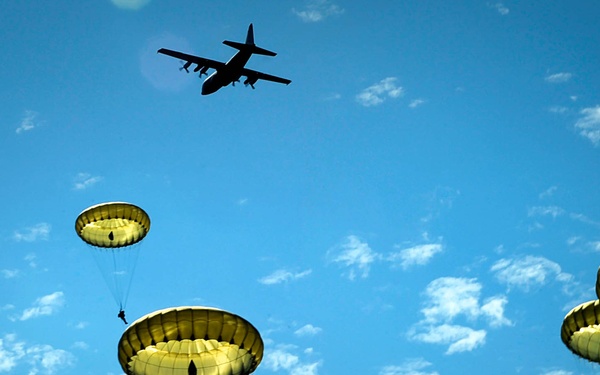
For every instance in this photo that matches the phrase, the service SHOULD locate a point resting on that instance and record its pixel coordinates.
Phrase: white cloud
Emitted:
(558, 77)
(416, 103)
(558, 109)
(557, 372)
(449, 298)
(281, 276)
(46, 305)
(130, 4)
(9, 274)
(584, 219)
(14, 353)
(318, 10)
(500, 8)
(282, 359)
(85, 180)
(553, 211)
(548, 192)
(81, 345)
(417, 255)
(10, 352)
(413, 366)
(377, 93)
(458, 338)
(355, 255)
(31, 260)
(308, 330)
(28, 122)
(526, 272)
(48, 358)
(493, 310)
(589, 124)
(332, 96)
(81, 325)
(39, 231)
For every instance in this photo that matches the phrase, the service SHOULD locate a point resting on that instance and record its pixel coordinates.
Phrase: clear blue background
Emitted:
(422, 199)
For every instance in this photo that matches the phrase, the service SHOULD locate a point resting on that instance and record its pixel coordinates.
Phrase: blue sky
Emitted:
(422, 199)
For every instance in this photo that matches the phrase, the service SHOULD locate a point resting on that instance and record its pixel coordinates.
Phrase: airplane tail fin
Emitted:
(249, 45)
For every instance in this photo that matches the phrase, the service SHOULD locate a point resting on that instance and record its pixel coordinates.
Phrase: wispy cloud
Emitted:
(379, 92)
(414, 366)
(85, 180)
(553, 211)
(15, 353)
(282, 276)
(589, 124)
(332, 96)
(417, 255)
(557, 372)
(81, 325)
(500, 8)
(558, 109)
(458, 338)
(440, 199)
(31, 260)
(9, 274)
(130, 4)
(558, 77)
(548, 192)
(318, 10)
(282, 358)
(448, 298)
(528, 271)
(82, 345)
(28, 122)
(39, 231)
(307, 330)
(355, 255)
(584, 219)
(46, 305)
(416, 103)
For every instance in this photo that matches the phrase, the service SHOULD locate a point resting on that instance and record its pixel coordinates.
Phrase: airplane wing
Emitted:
(201, 61)
(254, 76)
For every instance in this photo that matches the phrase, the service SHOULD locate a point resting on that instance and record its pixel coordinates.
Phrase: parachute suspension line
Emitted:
(134, 253)
(115, 279)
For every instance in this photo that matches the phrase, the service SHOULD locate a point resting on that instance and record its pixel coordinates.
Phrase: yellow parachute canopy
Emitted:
(113, 224)
(190, 340)
(580, 330)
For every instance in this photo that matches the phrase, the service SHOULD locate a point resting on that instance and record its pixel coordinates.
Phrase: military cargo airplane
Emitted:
(232, 70)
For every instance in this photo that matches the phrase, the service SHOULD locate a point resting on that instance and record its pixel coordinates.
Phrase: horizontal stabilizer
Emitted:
(249, 48)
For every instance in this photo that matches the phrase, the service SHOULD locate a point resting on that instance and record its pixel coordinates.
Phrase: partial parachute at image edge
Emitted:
(190, 339)
(580, 330)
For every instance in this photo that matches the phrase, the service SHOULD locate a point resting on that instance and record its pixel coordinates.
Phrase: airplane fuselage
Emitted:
(231, 72)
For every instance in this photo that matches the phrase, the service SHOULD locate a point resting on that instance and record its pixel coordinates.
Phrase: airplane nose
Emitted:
(208, 87)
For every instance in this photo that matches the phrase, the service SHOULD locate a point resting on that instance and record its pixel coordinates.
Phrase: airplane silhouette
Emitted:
(232, 70)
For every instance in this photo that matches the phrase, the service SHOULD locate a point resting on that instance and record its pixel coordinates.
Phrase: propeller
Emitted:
(185, 66)
(250, 81)
(202, 69)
